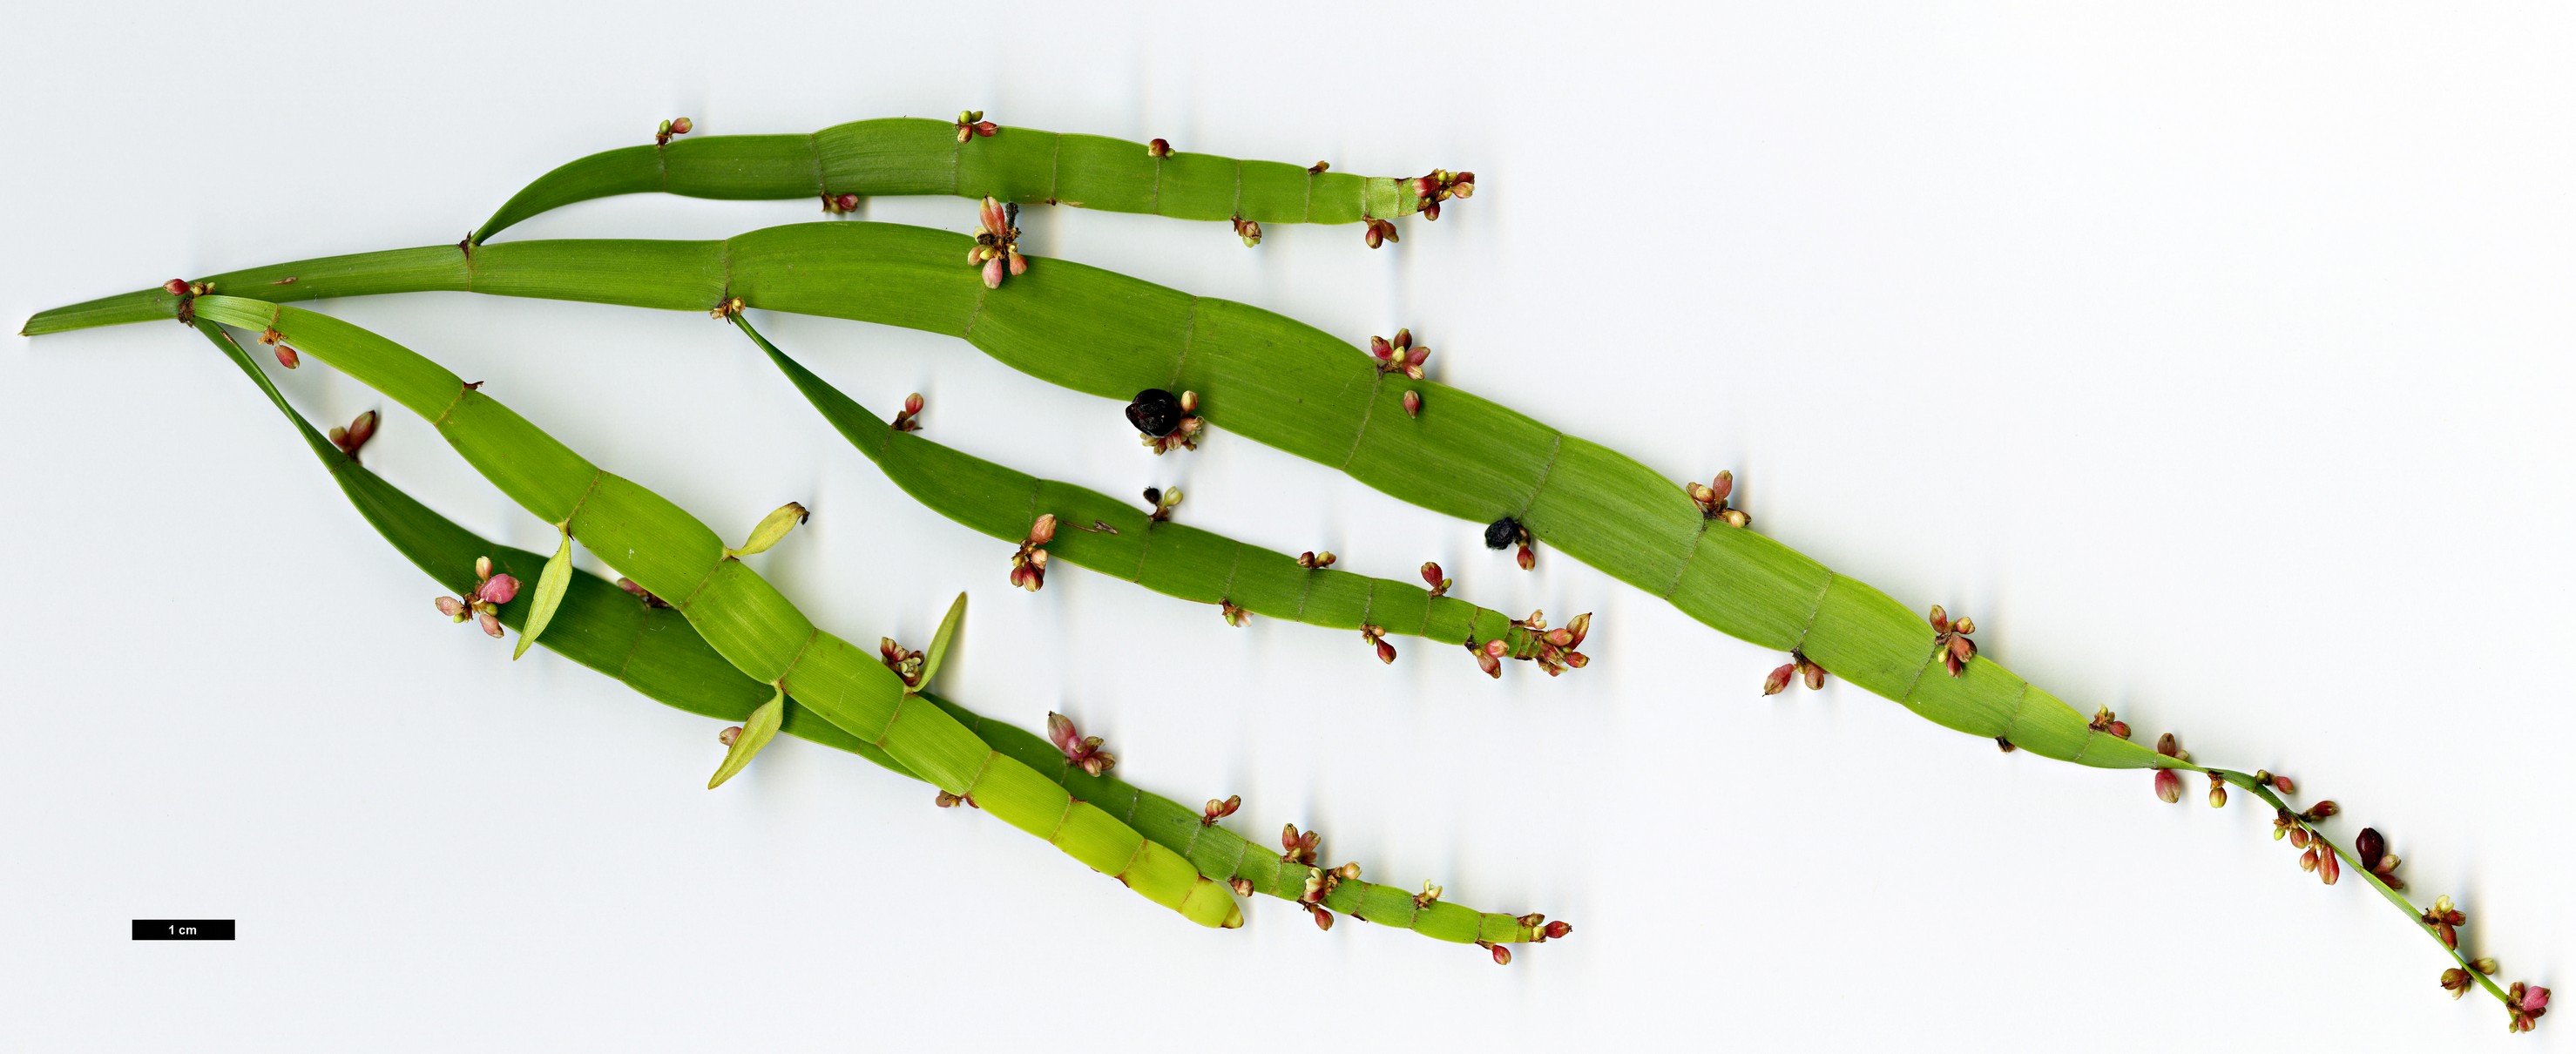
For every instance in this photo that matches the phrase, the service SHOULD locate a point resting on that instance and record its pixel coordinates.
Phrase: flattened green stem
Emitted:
(911, 155)
(1273, 380)
(655, 651)
(1167, 557)
(746, 619)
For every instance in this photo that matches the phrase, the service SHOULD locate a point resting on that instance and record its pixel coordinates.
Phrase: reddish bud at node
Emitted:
(2298, 837)
(1412, 404)
(1158, 148)
(1323, 918)
(2322, 810)
(1558, 930)
(1778, 681)
(1385, 652)
(1528, 558)
(498, 589)
(2168, 786)
(2166, 746)
(727, 736)
(2455, 981)
(680, 126)
(2329, 866)
(286, 357)
(1502, 954)
(451, 607)
(490, 622)
(176, 287)
(1242, 886)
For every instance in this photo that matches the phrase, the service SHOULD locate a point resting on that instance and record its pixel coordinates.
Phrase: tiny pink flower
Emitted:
(498, 589)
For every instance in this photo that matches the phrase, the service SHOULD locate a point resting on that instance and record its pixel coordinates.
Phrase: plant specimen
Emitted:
(1374, 414)
(632, 636)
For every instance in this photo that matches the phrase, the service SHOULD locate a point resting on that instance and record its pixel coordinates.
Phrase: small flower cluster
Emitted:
(905, 662)
(483, 604)
(1320, 883)
(1442, 185)
(2445, 920)
(361, 428)
(840, 204)
(1798, 666)
(1711, 498)
(2106, 721)
(1507, 532)
(1957, 649)
(726, 308)
(1315, 561)
(1165, 422)
(1376, 636)
(946, 800)
(910, 419)
(672, 127)
(1160, 501)
(1430, 895)
(2315, 855)
(2526, 1002)
(286, 356)
(1084, 751)
(187, 292)
(971, 123)
(1556, 652)
(2456, 981)
(1028, 565)
(1378, 232)
(1218, 810)
(1247, 230)
(1398, 355)
(1431, 576)
(1233, 616)
(1300, 846)
(997, 243)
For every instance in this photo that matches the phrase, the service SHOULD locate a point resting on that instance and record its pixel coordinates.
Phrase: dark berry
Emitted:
(1153, 495)
(1503, 533)
(1155, 412)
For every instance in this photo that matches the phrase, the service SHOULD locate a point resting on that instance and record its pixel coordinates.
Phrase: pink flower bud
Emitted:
(1559, 930)
(1043, 531)
(452, 608)
(2168, 786)
(2534, 1000)
(482, 568)
(1502, 955)
(993, 269)
(727, 737)
(680, 126)
(1385, 652)
(491, 623)
(175, 287)
(2329, 866)
(286, 357)
(498, 589)
(1778, 681)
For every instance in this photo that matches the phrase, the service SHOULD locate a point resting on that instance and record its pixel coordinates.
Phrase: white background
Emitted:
(2213, 356)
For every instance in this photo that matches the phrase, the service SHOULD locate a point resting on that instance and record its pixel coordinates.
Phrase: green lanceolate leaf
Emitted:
(652, 649)
(674, 556)
(1113, 537)
(771, 528)
(940, 640)
(755, 734)
(551, 584)
(906, 155)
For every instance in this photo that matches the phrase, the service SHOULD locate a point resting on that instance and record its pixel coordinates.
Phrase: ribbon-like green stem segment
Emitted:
(910, 155)
(655, 651)
(1164, 556)
(1267, 378)
(746, 619)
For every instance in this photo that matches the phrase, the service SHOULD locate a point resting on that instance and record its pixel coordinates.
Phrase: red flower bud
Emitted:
(2168, 786)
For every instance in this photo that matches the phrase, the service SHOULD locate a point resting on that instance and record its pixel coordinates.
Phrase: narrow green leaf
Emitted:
(940, 641)
(551, 584)
(772, 528)
(756, 733)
